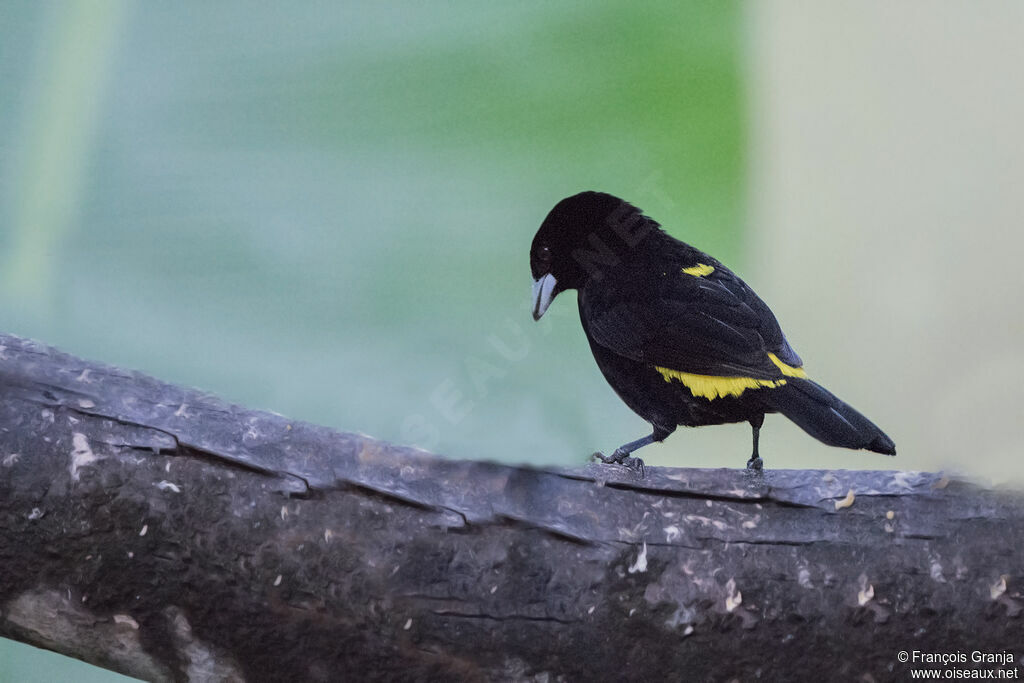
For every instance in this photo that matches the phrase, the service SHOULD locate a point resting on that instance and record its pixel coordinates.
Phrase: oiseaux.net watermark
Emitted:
(960, 665)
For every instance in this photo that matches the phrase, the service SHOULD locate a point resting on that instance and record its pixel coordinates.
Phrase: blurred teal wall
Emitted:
(325, 210)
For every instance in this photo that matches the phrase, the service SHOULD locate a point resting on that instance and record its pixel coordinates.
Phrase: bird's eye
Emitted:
(544, 254)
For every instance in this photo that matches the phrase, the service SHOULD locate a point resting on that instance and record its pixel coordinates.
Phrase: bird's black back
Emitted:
(648, 315)
(650, 310)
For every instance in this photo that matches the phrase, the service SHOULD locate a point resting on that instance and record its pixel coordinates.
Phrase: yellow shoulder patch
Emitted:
(712, 387)
(699, 270)
(787, 370)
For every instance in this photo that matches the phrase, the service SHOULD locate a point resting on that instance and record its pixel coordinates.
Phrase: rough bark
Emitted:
(163, 533)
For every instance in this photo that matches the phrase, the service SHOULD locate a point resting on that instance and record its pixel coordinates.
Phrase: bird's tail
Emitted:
(825, 417)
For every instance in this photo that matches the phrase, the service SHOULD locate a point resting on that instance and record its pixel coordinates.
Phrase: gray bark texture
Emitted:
(163, 533)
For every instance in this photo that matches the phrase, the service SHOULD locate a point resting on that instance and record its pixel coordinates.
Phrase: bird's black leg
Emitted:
(755, 462)
(622, 456)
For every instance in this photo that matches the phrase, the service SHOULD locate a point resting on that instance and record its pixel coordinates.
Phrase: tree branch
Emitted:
(160, 532)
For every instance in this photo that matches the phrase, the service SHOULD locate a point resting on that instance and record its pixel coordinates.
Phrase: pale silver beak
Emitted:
(543, 293)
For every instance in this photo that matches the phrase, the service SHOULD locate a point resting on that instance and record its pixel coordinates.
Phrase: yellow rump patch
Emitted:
(787, 370)
(712, 387)
(699, 270)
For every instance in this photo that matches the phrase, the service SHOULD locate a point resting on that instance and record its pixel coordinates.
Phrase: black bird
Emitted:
(681, 339)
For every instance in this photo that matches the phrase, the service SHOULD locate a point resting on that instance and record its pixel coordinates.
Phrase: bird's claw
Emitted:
(755, 464)
(621, 457)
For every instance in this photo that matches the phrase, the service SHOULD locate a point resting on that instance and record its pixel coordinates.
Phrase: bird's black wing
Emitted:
(712, 324)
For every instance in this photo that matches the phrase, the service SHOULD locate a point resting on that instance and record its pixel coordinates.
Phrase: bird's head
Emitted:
(581, 238)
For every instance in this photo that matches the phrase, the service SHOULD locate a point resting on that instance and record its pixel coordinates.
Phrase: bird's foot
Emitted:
(755, 463)
(621, 457)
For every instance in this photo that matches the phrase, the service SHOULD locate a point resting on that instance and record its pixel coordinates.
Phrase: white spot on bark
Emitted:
(591, 610)
(328, 535)
(733, 598)
(143, 530)
(84, 376)
(494, 589)
(408, 625)
(277, 581)
(125, 619)
(866, 593)
(284, 512)
(181, 411)
(81, 454)
(688, 630)
(803, 577)
(672, 533)
(641, 561)
(85, 403)
(11, 459)
(997, 589)
(35, 514)
(936, 572)
(847, 501)
(167, 486)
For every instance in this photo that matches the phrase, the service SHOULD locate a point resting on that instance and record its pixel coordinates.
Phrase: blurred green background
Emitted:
(325, 209)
